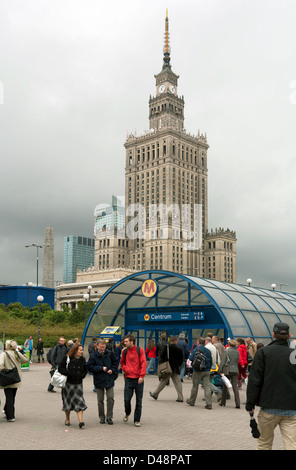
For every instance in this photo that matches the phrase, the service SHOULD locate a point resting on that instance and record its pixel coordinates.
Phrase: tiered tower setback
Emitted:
(166, 194)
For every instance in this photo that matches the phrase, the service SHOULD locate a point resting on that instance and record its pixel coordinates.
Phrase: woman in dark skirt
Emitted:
(40, 350)
(74, 367)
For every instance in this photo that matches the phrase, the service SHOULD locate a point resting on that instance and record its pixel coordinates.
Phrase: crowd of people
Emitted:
(268, 370)
(103, 365)
(233, 361)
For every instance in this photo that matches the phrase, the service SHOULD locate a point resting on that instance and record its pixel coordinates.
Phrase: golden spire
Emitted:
(166, 49)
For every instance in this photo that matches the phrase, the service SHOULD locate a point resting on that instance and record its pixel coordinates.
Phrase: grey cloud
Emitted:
(76, 78)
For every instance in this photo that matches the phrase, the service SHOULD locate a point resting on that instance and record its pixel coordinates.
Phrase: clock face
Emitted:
(161, 89)
(172, 89)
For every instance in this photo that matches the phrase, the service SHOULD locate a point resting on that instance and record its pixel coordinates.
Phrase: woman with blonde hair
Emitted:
(13, 356)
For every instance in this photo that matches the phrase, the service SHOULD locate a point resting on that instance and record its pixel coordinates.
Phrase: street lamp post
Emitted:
(37, 258)
(89, 292)
(86, 297)
(30, 284)
(40, 299)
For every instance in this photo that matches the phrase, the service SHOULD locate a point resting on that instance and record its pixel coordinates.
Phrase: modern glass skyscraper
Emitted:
(108, 218)
(79, 253)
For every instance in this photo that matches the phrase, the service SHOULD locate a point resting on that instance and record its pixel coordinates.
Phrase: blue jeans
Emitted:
(183, 368)
(151, 364)
(130, 386)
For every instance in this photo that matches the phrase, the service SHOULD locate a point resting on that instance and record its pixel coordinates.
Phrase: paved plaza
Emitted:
(165, 424)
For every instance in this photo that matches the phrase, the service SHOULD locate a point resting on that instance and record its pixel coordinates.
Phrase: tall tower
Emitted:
(48, 258)
(166, 196)
(167, 167)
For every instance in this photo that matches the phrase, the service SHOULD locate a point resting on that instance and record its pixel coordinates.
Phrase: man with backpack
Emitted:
(201, 359)
(55, 356)
(133, 364)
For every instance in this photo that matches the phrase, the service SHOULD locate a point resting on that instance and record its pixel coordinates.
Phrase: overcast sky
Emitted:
(76, 76)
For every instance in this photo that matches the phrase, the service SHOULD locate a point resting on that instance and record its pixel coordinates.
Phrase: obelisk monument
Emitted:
(48, 258)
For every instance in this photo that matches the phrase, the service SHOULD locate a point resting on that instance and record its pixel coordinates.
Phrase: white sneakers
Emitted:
(136, 423)
(8, 420)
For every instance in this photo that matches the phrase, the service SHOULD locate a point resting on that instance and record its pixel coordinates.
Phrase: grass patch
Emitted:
(18, 322)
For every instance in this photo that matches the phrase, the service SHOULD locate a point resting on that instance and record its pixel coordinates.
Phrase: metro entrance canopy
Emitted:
(156, 301)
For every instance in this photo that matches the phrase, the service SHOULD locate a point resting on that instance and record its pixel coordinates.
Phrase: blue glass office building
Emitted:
(79, 253)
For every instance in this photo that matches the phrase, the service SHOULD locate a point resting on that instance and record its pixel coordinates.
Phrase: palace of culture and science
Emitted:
(166, 204)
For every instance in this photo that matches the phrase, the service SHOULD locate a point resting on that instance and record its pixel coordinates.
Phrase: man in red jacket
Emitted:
(133, 365)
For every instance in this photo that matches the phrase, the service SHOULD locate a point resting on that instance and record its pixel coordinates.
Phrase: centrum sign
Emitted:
(149, 288)
(174, 316)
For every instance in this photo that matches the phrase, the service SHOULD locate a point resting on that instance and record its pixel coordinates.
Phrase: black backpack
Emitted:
(125, 352)
(199, 360)
(49, 354)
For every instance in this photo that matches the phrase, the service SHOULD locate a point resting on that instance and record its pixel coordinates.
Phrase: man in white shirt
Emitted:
(214, 352)
(219, 346)
(215, 362)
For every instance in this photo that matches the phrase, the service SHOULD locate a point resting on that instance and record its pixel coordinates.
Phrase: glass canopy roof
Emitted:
(244, 311)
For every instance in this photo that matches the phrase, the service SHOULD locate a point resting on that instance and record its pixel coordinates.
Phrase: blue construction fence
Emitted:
(26, 295)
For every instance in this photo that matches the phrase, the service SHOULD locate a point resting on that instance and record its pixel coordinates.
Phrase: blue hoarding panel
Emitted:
(26, 295)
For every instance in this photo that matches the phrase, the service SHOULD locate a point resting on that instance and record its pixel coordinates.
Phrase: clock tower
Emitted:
(166, 109)
(166, 191)
(166, 178)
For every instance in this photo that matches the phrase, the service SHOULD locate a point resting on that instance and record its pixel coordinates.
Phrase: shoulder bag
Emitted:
(164, 370)
(9, 376)
(226, 381)
(59, 380)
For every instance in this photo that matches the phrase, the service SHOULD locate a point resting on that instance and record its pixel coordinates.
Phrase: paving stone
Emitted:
(165, 424)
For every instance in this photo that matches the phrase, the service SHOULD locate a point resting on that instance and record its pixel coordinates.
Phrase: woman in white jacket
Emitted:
(13, 356)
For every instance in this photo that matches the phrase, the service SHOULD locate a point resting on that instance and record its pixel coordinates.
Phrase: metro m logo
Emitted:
(149, 288)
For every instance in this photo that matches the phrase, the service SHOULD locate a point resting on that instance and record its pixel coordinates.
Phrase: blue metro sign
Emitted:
(171, 316)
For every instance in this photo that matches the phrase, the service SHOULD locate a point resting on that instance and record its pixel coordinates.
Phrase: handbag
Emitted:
(215, 369)
(164, 370)
(59, 380)
(9, 376)
(226, 381)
